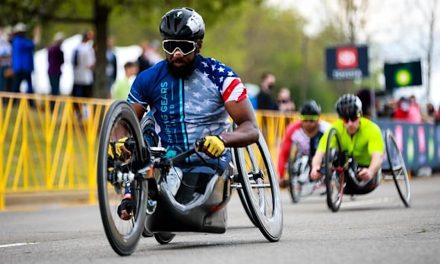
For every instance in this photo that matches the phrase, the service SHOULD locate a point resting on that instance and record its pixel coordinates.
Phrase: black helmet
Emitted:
(182, 23)
(310, 108)
(348, 105)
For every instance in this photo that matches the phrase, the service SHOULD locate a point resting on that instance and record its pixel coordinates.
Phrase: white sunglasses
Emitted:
(170, 46)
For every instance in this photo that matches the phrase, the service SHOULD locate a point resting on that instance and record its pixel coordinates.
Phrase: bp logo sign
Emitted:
(403, 77)
(399, 75)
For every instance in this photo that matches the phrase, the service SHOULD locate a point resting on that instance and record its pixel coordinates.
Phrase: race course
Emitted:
(373, 228)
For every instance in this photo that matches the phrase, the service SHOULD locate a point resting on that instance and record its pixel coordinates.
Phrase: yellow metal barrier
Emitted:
(50, 143)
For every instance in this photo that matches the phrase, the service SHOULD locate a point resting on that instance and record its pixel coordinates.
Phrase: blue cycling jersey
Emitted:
(188, 109)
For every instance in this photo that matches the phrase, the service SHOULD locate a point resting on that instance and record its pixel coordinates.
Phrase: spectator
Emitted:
(430, 113)
(121, 87)
(111, 67)
(265, 100)
(83, 66)
(402, 109)
(408, 110)
(23, 56)
(437, 116)
(365, 96)
(414, 112)
(149, 55)
(55, 57)
(284, 100)
(387, 109)
(5, 61)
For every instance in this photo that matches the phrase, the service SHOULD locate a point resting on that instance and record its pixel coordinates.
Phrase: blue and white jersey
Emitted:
(188, 109)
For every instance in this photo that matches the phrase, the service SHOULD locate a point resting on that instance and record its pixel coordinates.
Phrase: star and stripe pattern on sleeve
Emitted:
(229, 84)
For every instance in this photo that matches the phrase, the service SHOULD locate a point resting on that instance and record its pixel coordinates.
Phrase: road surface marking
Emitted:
(16, 245)
(355, 202)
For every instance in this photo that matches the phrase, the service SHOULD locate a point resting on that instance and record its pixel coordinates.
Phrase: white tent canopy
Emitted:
(40, 78)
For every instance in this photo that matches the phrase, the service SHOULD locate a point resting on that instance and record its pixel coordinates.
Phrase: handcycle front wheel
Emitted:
(293, 185)
(397, 168)
(117, 174)
(334, 173)
(164, 238)
(260, 188)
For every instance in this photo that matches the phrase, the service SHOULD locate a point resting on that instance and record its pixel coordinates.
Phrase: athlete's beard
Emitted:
(182, 72)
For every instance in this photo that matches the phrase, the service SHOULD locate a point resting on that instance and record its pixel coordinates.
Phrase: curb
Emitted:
(38, 199)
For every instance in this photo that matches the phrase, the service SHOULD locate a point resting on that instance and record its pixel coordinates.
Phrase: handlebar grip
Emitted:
(199, 143)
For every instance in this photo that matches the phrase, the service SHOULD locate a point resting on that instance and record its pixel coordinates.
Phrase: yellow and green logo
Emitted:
(403, 77)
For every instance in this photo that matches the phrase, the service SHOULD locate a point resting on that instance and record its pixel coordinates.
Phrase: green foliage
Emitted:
(254, 39)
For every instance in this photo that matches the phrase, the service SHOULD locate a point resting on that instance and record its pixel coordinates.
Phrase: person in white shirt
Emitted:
(83, 66)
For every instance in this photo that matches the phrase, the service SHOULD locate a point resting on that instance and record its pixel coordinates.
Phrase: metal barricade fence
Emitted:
(50, 143)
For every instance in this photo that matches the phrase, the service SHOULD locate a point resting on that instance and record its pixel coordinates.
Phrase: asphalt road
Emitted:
(372, 228)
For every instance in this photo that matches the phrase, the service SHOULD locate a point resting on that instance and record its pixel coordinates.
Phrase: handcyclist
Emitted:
(361, 140)
(191, 97)
(304, 135)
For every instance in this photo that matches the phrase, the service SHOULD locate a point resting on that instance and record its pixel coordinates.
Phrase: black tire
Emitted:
(123, 236)
(146, 232)
(164, 237)
(260, 188)
(398, 168)
(293, 184)
(334, 175)
(294, 187)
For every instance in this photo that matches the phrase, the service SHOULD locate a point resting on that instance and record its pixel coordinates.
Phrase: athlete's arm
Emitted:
(120, 133)
(375, 164)
(376, 150)
(139, 110)
(243, 116)
(315, 173)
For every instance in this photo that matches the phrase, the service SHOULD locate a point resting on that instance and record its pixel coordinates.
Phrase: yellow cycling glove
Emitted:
(213, 146)
(117, 147)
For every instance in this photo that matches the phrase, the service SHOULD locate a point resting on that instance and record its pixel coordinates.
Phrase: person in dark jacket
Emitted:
(265, 100)
(55, 58)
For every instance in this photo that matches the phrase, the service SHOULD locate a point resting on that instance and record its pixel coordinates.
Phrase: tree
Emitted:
(255, 39)
(429, 11)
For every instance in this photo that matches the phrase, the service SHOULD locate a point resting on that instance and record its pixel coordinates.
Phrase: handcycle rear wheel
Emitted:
(240, 189)
(123, 235)
(260, 188)
(334, 174)
(398, 168)
(241, 194)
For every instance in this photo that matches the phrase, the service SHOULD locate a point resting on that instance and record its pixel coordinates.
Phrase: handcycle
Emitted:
(338, 169)
(200, 203)
(299, 183)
